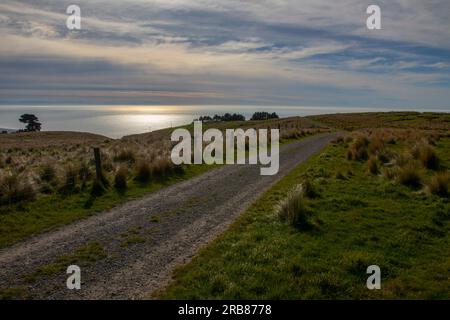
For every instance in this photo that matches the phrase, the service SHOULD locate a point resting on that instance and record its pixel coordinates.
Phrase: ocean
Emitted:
(119, 121)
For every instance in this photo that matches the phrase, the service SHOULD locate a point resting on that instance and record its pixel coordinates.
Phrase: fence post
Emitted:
(98, 164)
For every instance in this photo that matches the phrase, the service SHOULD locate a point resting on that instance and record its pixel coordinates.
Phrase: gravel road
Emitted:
(146, 238)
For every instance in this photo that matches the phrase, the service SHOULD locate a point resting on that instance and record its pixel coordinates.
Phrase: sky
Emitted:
(227, 52)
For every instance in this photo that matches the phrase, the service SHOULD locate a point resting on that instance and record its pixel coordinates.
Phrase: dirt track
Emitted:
(190, 215)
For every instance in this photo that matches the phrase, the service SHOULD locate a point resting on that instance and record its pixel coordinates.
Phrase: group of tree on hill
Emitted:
(238, 117)
(264, 116)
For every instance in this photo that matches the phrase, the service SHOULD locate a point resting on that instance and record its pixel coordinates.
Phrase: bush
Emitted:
(143, 171)
(410, 176)
(120, 179)
(293, 208)
(440, 184)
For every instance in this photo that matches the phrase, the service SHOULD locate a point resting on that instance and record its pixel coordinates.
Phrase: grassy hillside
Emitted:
(402, 120)
(374, 197)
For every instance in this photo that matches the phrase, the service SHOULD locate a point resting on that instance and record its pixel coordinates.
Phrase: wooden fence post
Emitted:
(98, 164)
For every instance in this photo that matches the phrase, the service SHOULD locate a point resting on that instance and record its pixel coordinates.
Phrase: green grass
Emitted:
(131, 241)
(48, 212)
(83, 256)
(360, 220)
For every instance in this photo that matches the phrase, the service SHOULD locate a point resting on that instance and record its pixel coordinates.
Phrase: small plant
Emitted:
(293, 208)
(440, 184)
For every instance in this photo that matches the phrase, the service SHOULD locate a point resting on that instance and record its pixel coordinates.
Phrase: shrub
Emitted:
(372, 165)
(410, 176)
(440, 184)
(293, 208)
(120, 179)
(143, 171)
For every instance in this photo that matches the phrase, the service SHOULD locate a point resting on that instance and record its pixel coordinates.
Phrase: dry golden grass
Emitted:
(63, 161)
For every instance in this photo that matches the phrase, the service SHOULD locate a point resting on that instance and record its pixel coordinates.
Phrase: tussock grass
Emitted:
(48, 173)
(364, 221)
(120, 179)
(372, 165)
(70, 180)
(440, 184)
(15, 189)
(125, 155)
(293, 208)
(309, 189)
(359, 149)
(429, 158)
(162, 167)
(410, 175)
(143, 171)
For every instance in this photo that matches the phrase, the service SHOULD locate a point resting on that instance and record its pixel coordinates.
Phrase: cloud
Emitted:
(232, 51)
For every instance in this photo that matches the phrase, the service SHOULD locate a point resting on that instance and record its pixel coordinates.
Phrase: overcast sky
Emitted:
(255, 52)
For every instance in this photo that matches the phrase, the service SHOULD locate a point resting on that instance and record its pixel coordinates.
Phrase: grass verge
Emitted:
(361, 219)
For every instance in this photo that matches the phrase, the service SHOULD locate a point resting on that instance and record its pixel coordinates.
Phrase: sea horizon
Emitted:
(117, 121)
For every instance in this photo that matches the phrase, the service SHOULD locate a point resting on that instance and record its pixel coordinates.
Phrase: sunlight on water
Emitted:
(118, 121)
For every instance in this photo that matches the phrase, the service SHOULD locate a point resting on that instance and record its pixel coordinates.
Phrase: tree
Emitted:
(31, 121)
(264, 116)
